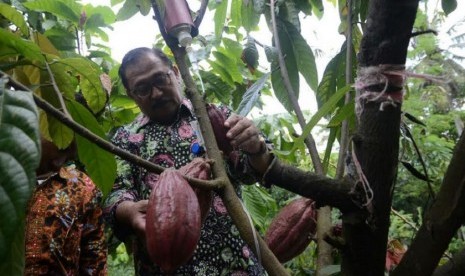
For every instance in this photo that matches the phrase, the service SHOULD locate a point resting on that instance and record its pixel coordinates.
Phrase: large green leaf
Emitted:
(18, 46)
(216, 86)
(100, 164)
(127, 11)
(15, 17)
(304, 56)
(291, 65)
(227, 62)
(235, 13)
(90, 84)
(259, 204)
(66, 9)
(222, 72)
(106, 13)
(252, 95)
(249, 17)
(19, 158)
(220, 17)
(334, 78)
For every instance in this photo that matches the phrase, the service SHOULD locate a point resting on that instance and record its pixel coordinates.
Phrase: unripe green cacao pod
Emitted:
(291, 230)
(200, 168)
(172, 221)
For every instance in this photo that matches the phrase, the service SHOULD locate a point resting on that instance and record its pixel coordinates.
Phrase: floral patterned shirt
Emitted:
(220, 250)
(65, 227)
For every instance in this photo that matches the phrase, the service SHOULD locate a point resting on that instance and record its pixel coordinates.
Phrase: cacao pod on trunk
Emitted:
(217, 120)
(172, 221)
(291, 230)
(201, 169)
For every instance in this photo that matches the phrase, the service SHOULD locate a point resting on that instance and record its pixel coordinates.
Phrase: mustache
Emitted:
(159, 103)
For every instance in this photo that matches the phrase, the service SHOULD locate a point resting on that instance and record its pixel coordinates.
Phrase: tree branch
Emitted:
(200, 13)
(441, 221)
(326, 191)
(105, 145)
(454, 267)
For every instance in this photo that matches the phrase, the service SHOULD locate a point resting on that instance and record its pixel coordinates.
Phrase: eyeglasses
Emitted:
(160, 81)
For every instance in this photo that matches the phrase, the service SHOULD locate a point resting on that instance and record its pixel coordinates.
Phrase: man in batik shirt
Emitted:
(167, 134)
(64, 223)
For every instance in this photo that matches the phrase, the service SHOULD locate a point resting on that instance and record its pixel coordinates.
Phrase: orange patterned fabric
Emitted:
(64, 227)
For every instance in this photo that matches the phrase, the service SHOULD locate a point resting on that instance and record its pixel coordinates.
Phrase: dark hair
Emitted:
(135, 55)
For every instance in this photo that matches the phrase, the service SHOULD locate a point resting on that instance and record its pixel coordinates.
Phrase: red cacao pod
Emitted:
(200, 168)
(217, 120)
(289, 232)
(172, 221)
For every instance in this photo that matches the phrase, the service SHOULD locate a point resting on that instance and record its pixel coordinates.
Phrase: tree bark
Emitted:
(454, 267)
(376, 144)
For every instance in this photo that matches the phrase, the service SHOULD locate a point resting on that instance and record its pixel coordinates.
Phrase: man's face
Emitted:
(154, 87)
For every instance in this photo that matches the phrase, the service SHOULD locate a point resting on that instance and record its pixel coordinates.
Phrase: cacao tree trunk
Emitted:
(376, 143)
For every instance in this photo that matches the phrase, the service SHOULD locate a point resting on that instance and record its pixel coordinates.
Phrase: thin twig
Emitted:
(404, 219)
(57, 91)
(200, 13)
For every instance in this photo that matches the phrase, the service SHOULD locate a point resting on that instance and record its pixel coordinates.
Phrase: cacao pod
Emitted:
(200, 168)
(217, 120)
(291, 230)
(172, 221)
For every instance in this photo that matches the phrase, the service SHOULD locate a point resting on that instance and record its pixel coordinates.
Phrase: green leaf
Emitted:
(222, 72)
(327, 108)
(259, 203)
(317, 8)
(236, 18)
(448, 6)
(90, 84)
(227, 62)
(220, 17)
(100, 164)
(65, 82)
(15, 17)
(105, 12)
(304, 56)
(13, 264)
(19, 158)
(333, 134)
(220, 89)
(347, 112)
(128, 10)
(252, 95)
(61, 135)
(18, 46)
(249, 17)
(277, 80)
(66, 9)
(144, 6)
(334, 78)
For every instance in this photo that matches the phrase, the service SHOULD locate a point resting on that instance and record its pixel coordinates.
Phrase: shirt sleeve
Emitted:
(124, 188)
(93, 257)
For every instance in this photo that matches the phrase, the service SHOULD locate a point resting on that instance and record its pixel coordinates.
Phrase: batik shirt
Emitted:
(65, 227)
(220, 250)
